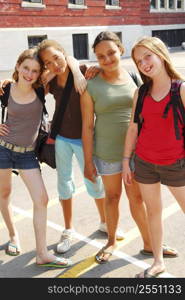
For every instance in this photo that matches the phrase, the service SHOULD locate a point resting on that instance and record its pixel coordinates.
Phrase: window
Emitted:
(153, 4)
(80, 46)
(32, 4)
(112, 2)
(179, 4)
(77, 2)
(167, 5)
(34, 40)
(171, 4)
(162, 4)
(33, 1)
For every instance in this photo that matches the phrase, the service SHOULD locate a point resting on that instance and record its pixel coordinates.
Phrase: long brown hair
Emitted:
(155, 45)
(29, 54)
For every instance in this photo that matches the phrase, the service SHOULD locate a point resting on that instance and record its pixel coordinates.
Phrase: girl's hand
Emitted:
(126, 174)
(90, 172)
(46, 77)
(3, 83)
(4, 130)
(91, 72)
(80, 82)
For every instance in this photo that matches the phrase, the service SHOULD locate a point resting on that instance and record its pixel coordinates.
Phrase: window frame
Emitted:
(112, 5)
(76, 5)
(166, 8)
(32, 4)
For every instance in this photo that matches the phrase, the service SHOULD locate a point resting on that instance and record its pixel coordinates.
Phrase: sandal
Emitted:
(59, 262)
(12, 249)
(146, 274)
(100, 256)
(167, 252)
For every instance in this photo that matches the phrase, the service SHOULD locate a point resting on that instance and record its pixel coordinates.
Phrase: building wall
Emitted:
(55, 13)
(59, 22)
(15, 40)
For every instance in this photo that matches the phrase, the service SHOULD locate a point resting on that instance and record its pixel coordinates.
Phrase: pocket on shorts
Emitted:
(132, 163)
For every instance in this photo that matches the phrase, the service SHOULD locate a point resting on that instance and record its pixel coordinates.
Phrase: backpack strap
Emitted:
(4, 101)
(135, 78)
(56, 124)
(41, 95)
(142, 91)
(177, 107)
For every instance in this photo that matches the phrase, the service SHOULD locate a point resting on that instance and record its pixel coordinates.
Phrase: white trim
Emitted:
(112, 7)
(26, 4)
(76, 6)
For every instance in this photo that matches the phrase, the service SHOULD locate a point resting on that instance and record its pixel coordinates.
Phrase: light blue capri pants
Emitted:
(65, 149)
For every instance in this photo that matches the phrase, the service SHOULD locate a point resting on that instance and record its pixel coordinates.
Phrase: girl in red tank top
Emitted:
(160, 156)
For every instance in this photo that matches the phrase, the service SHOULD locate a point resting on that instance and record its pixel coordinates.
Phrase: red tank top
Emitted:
(157, 142)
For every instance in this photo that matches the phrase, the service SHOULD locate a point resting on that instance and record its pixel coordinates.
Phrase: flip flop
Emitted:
(167, 252)
(57, 263)
(100, 256)
(12, 253)
(148, 275)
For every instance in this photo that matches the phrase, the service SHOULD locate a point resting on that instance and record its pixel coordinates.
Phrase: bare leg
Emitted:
(100, 204)
(138, 211)
(67, 212)
(179, 194)
(33, 180)
(113, 189)
(154, 212)
(5, 207)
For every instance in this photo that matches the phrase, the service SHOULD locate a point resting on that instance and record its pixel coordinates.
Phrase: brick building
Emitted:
(75, 24)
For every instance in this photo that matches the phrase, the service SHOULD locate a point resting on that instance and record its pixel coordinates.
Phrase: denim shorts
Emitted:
(106, 168)
(16, 160)
(170, 175)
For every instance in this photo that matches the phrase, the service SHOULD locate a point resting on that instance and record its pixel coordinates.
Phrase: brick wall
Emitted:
(57, 14)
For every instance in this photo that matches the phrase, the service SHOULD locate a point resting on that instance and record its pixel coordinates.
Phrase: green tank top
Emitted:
(112, 106)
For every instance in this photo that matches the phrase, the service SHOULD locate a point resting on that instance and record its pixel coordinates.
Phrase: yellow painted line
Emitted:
(89, 263)
(79, 269)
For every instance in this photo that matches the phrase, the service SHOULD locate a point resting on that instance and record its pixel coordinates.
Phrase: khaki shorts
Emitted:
(170, 175)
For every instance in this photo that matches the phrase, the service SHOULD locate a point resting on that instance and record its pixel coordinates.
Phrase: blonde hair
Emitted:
(29, 54)
(155, 45)
(108, 36)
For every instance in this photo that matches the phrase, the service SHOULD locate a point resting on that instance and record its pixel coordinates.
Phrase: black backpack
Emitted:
(175, 102)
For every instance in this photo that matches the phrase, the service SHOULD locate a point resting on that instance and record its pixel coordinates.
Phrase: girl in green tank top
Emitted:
(109, 98)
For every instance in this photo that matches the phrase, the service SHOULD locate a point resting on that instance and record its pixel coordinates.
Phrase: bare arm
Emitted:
(130, 143)
(87, 109)
(182, 93)
(79, 79)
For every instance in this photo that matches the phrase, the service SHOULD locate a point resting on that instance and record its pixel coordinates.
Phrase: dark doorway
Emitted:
(80, 46)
